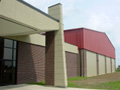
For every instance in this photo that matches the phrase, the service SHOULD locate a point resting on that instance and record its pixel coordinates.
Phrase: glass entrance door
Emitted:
(1, 68)
(7, 73)
(1, 57)
(7, 62)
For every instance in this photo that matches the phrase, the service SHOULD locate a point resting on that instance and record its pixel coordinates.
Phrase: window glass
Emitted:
(7, 53)
(7, 61)
(8, 43)
(7, 77)
(14, 64)
(1, 71)
(8, 64)
(14, 70)
(15, 44)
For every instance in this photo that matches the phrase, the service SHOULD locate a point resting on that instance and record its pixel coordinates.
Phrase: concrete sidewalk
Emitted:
(36, 87)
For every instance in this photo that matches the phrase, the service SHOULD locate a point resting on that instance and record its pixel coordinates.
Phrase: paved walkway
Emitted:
(35, 87)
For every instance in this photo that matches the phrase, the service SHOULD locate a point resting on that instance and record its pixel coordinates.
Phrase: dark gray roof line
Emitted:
(55, 5)
(29, 5)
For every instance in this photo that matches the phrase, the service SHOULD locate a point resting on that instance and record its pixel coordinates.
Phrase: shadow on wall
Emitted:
(31, 63)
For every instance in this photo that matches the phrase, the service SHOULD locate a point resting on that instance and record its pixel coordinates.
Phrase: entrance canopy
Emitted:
(20, 18)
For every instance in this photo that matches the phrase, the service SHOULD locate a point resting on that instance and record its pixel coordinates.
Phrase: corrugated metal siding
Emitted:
(71, 37)
(74, 37)
(80, 39)
(98, 42)
(91, 40)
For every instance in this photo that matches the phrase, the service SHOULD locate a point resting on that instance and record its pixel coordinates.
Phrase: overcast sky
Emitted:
(100, 15)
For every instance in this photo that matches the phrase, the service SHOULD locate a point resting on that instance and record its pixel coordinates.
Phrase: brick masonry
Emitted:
(72, 65)
(31, 63)
(49, 63)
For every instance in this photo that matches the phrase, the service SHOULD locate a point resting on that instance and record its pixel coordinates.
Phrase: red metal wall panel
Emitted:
(98, 42)
(91, 40)
(74, 36)
(70, 37)
(80, 39)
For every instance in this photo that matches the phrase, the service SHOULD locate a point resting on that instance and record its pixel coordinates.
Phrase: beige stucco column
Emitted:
(60, 74)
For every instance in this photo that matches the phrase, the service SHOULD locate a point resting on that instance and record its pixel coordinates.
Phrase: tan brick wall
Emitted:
(113, 65)
(101, 59)
(31, 63)
(91, 64)
(72, 64)
(108, 64)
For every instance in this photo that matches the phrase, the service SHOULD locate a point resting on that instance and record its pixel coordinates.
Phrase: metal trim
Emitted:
(55, 5)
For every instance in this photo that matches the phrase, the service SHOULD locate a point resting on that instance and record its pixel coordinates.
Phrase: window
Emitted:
(8, 53)
(15, 44)
(8, 50)
(8, 43)
(1, 47)
(14, 56)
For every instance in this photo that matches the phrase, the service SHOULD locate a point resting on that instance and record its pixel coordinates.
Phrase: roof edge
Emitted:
(73, 29)
(109, 40)
(55, 5)
(82, 28)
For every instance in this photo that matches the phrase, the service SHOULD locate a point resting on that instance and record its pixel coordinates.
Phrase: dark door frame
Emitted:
(13, 71)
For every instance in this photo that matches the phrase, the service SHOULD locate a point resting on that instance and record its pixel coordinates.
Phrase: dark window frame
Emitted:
(13, 60)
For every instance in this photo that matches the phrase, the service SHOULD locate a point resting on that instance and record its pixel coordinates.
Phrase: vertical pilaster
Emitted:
(78, 64)
(97, 63)
(50, 58)
(111, 64)
(60, 73)
(85, 63)
(105, 65)
(81, 63)
(115, 64)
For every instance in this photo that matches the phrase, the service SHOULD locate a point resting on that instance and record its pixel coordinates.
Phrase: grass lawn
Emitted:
(114, 85)
(109, 85)
(118, 70)
(70, 79)
(77, 78)
(109, 82)
(37, 83)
